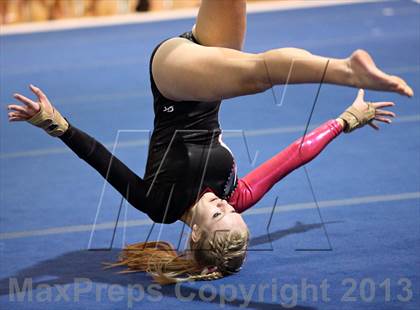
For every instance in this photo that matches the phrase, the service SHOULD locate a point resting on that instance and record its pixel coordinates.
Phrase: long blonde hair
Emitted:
(213, 256)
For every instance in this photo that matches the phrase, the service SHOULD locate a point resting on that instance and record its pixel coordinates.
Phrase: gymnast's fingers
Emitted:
(38, 92)
(378, 105)
(28, 102)
(17, 108)
(373, 125)
(383, 119)
(17, 116)
(385, 113)
(16, 119)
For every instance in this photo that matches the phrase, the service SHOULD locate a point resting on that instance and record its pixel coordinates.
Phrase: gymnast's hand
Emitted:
(39, 113)
(362, 112)
(29, 107)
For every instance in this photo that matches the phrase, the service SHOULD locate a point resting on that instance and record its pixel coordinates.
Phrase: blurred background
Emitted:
(18, 11)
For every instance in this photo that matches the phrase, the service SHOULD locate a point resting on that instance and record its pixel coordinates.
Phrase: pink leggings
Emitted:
(255, 184)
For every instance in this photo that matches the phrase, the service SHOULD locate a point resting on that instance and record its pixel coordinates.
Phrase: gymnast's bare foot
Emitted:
(365, 74)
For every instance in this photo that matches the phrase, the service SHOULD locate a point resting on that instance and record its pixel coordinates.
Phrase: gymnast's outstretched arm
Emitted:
(122, 178)
(254, 185)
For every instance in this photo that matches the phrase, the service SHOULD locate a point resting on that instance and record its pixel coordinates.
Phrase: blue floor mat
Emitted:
(367, 184)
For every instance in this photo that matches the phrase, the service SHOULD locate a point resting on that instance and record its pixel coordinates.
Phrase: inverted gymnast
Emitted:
(191, 175)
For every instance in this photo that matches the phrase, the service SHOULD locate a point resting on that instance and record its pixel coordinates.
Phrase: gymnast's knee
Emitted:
(262, 76)
(289, 52)
(255, 77)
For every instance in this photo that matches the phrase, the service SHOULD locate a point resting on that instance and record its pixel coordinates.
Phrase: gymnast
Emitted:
(191, 175)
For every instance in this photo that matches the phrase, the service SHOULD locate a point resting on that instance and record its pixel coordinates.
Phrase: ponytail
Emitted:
(212, 258)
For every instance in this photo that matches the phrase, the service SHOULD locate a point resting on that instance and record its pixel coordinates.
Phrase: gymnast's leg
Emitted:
(221, 23)
(185, 71)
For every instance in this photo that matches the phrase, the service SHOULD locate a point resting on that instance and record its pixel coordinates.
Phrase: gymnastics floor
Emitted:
(359, 249)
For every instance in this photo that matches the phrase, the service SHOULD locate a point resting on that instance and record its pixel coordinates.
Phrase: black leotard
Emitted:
(186, 157)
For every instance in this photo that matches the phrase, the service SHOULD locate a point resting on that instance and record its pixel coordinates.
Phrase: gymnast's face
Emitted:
(214, 214)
